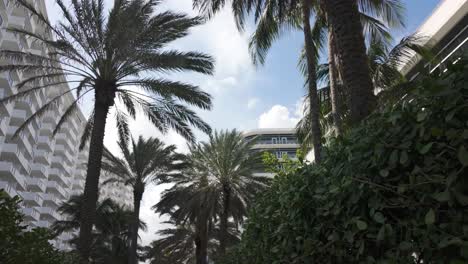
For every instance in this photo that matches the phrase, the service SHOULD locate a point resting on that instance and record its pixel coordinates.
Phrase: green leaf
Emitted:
(421, 116)
(404, 157)
(430, 217)
(379, 218)
(405, 245)
(465, 134)
(442, 196)
(425, 149)
(361, 225)
(383, 173)
(463, 156)
(393, 157)
(381, 234)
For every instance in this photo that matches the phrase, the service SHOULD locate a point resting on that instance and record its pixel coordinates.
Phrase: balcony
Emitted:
(18, 117)
(42, 156)
(52, 199)
(47, 211)
(43, 224)
(31, 214)
(11, 152)
(9, 188)
(55, 187)
(31, 198)
(35, 184)
(45, 142)
(21, 138)
(8, 170)
(5, 109)
(39, 170)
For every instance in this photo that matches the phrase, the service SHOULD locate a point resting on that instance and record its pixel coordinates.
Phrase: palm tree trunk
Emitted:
(333, 76)
(90, 195)
(312, 84)
(201, 240)
(223, 228)
(343, 15)
(132, 249)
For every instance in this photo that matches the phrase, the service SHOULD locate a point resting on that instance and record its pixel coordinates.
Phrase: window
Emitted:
(274, 140)
(284, 140)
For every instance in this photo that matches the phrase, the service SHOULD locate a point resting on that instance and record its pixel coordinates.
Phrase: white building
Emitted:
(279, 141)
(43, 170)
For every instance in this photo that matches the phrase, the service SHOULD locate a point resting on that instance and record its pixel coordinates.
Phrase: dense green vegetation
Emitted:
(18, 243)
(392, 190)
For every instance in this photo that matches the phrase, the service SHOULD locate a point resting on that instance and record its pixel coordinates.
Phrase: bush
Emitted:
(393, 190)
(19, 246)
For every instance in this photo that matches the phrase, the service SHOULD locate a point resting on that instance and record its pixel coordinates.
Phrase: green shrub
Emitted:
(20, 246)
(393, 190)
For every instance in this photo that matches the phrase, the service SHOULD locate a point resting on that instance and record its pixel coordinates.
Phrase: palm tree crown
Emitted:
(148, 160)
(218, 186)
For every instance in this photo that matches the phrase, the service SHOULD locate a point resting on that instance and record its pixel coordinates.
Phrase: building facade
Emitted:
(280, 142)
(446, 32)
(42, 169)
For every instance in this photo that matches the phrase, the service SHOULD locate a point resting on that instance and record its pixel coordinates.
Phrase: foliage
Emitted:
(284, 165)
(111, 231)
(18, 243)
(392, 190)
(215, 191)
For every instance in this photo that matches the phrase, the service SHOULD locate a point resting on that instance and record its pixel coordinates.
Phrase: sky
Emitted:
(244, 96)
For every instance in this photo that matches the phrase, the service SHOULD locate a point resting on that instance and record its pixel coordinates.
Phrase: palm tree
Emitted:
(192, 200)
(274, 18)
(384, 63)
(148, 160)
(218, 185)
(344, 19)
(112, 227)
(230, 164)
(177, 243)
(113, 55)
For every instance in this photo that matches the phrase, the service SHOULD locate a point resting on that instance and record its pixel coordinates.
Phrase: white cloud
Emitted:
(252, 103)
(278, 116)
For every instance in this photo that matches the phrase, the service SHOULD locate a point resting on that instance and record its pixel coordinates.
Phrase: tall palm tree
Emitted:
(377, 18)
(218, 185)
(114, 55)
(192, 200)
(274, 18)
(111, 231)
(384, 63)
(147, 160)
(345, 22)
(230, 164)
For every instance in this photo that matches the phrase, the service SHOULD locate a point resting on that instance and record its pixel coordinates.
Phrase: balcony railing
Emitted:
(49, 212)
(39, 170)
(36, 183)
(51, 198)
(9, 188)
(31, 197)
(32, 213)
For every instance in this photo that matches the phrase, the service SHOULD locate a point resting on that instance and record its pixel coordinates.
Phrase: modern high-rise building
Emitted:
(446, 32)
(44, 170)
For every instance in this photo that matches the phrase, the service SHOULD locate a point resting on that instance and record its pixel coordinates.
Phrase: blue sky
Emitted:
(245, 97)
